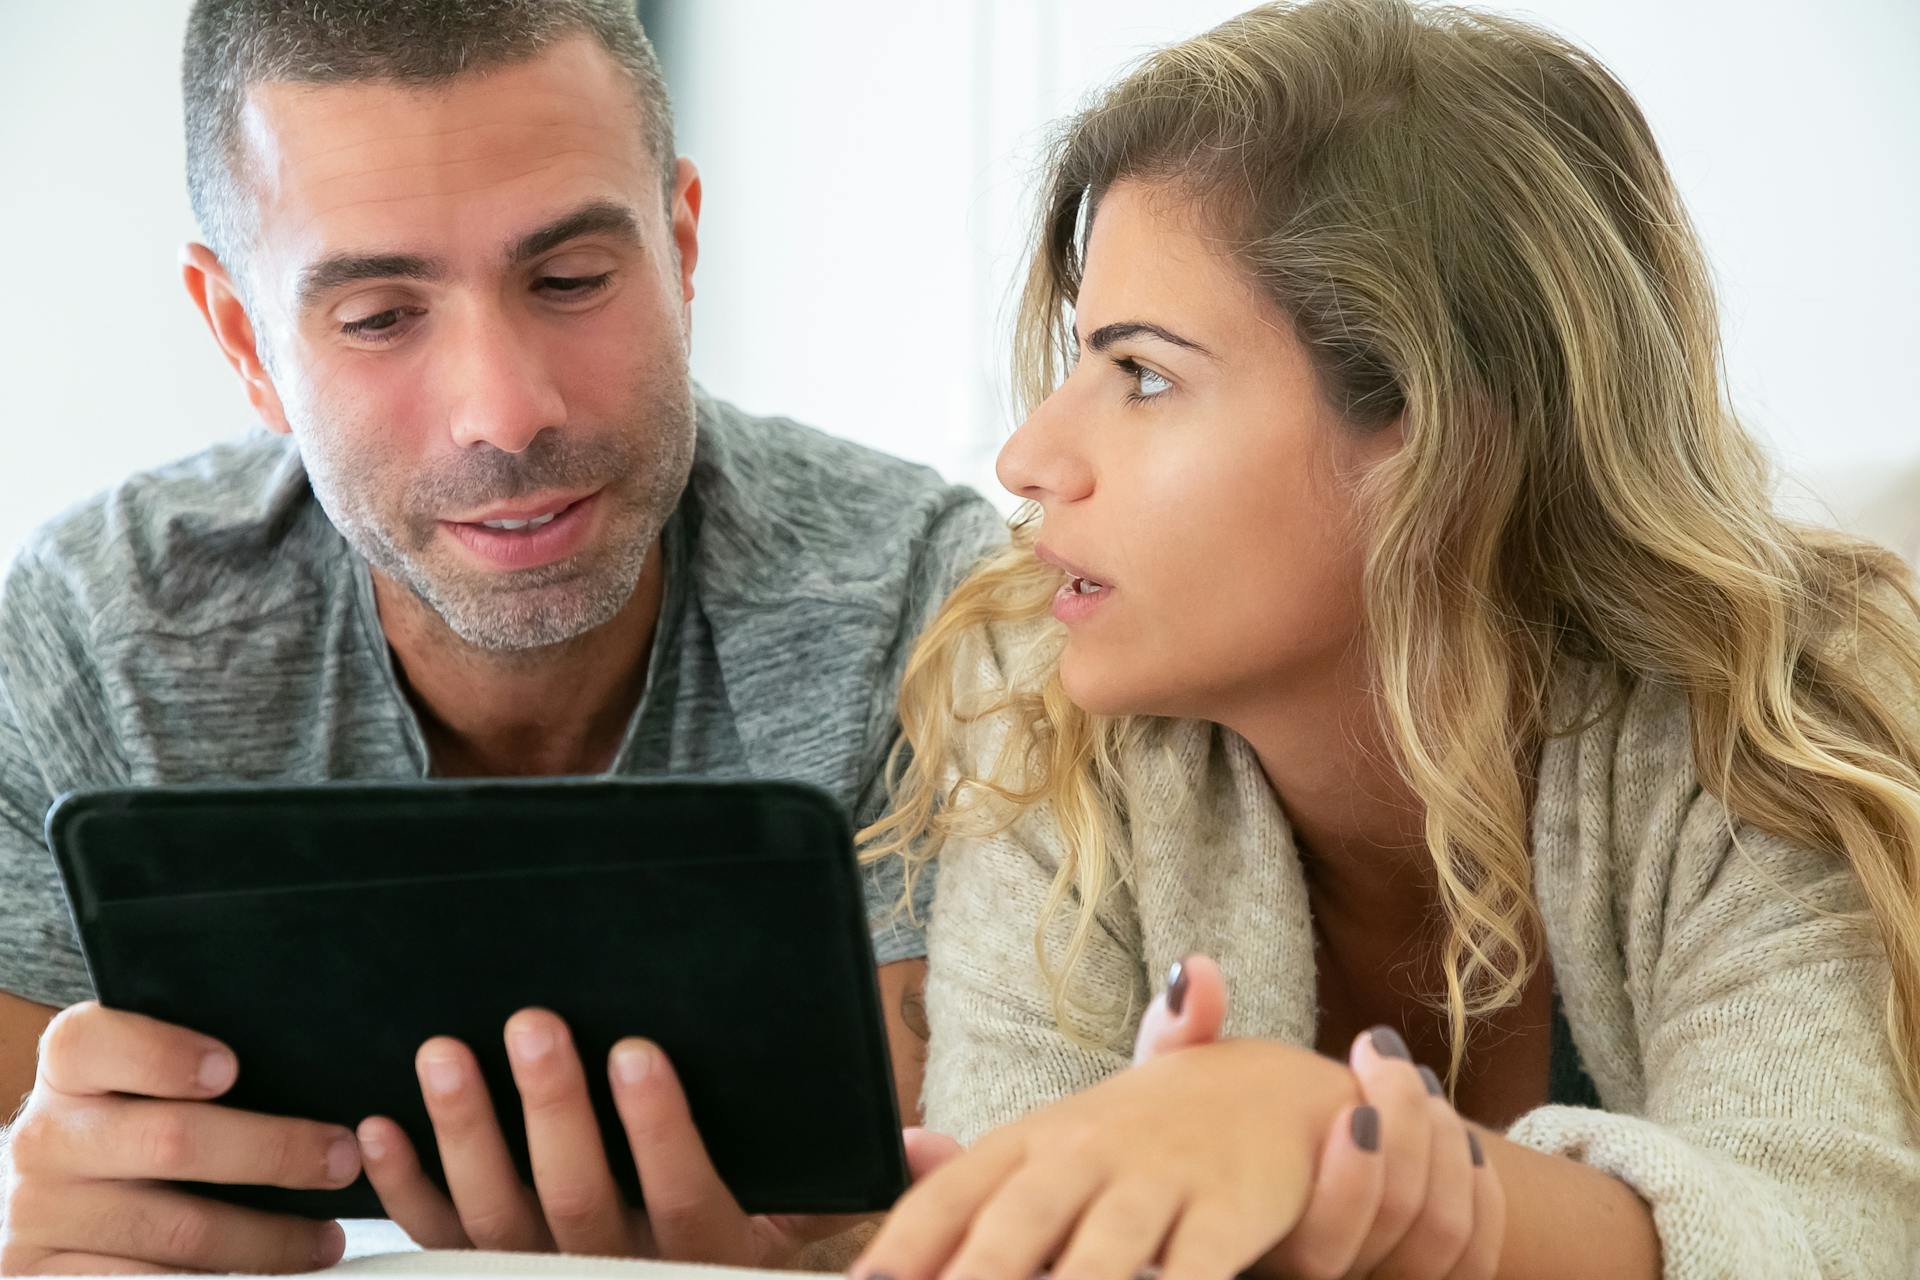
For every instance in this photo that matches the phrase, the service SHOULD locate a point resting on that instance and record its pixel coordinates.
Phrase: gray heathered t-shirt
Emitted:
(206, 622)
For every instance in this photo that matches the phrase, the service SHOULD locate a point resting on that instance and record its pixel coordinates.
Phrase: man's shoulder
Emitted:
(789, 509)
(201, 542)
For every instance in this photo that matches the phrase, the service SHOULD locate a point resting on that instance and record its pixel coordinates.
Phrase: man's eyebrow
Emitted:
(1108, 334)
(601, 217)
(328, 274)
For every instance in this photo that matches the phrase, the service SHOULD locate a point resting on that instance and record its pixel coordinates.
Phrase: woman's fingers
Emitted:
(496, 1209)
(1027, 1220)
(1212, 1239)
(1120, 1233)
(1438, 1235)
(409, 1196)
(1346, 1196)
(1489, 1217)
(930, 1221)
(1190, 1011)
(927, 1150)
(1389, 1080)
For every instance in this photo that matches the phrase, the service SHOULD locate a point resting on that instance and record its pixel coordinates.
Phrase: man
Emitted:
(492, 530)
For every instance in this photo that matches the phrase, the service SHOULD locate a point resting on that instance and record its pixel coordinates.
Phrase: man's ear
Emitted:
(213, 291)
(686, 228)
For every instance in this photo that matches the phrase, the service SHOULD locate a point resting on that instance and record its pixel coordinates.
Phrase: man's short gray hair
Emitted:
(234, 44)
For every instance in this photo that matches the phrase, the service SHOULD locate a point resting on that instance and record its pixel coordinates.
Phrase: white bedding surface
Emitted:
(375, 1247)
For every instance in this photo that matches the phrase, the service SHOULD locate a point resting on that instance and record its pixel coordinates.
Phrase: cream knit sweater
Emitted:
(1733, 1029)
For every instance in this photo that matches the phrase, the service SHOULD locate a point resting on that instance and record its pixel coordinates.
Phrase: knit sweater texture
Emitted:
(1728, 1011)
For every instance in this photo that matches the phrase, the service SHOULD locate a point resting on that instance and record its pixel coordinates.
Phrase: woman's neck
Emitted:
(1358, 824)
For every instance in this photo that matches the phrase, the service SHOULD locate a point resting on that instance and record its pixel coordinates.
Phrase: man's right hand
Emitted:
(122, 1105)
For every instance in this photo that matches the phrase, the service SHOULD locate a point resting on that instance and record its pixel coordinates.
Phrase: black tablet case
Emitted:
(325, 932)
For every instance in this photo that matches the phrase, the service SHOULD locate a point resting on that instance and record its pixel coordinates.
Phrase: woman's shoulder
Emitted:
(1623, 812)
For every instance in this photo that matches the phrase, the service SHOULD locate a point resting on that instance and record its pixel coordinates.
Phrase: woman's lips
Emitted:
(528, 548)
(1074, 603)
(1068, 567)
(1081, 594)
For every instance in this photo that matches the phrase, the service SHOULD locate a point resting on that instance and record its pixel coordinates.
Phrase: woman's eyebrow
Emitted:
(1108, 334)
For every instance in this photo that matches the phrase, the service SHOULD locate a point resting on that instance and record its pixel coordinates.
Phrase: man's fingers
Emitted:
(496, 1209)
(1190, 1011)
(175, 1229)
(93, 1264)
(138, 1138)
(690, 1210)
(409, 1196)
(584, 1209)
(87, 1050)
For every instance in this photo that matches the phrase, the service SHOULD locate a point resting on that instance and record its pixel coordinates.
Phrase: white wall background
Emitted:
(867, 164)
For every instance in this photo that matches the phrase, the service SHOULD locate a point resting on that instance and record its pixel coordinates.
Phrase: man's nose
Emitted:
(502, 392)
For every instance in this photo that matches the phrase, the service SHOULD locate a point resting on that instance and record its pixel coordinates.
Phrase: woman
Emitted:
(1400, 620)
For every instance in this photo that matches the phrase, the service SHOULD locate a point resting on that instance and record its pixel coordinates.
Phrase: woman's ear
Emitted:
(213, 292)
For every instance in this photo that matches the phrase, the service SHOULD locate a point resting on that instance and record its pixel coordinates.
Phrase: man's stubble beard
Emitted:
(640, 469)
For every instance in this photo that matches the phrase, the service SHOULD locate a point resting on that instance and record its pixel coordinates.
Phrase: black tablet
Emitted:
(325, 932)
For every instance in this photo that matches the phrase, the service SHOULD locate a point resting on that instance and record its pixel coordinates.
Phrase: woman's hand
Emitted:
(574, 1205)
(1199, 1159)
(1403, 1189)
(1410, 1207)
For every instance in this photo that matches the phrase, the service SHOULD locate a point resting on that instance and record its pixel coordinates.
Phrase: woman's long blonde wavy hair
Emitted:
(1470, 227)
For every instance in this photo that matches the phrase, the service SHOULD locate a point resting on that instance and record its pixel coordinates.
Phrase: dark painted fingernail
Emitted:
(1431, 1080)
(1388, 1044)
(1176, 988)
(1473, 1149)
(1366, 1128)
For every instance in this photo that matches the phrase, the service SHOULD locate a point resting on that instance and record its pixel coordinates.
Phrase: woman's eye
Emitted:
(1146, 383)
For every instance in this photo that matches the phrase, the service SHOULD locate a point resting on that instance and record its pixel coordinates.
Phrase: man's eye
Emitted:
(576, 286)
(372, 324)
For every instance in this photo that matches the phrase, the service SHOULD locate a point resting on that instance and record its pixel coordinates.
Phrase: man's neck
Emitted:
(548, 712)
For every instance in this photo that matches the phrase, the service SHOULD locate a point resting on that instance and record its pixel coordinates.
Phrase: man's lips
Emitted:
(529, 546)
(524, 508)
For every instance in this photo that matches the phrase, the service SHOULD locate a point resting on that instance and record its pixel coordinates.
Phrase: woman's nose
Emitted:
(1042, 462)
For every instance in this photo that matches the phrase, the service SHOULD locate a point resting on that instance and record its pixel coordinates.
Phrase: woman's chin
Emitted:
(1100, 686)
